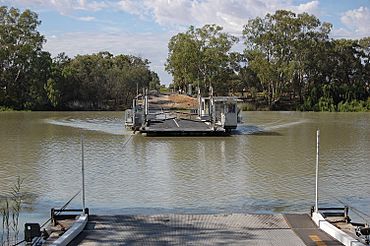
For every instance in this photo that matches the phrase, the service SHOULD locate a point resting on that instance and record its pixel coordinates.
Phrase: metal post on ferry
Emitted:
(317, 171)
(83, 175)
(146, 105)
(212, 109)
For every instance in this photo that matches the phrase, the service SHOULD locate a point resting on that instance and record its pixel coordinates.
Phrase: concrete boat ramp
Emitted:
(190, 229)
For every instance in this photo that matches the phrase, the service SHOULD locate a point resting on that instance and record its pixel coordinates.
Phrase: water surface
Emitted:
(267, 166)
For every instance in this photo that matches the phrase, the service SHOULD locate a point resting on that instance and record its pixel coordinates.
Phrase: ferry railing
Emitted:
(34, 233)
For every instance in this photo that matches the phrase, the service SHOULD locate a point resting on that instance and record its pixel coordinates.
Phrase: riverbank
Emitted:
(174, 101)
(181, 101)
(5, 109)
(352, 106)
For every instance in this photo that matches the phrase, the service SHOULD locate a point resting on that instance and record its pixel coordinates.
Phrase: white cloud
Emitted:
(170, 12)
(310, 7)
(86, 18)
(232, 15)
(64, 7)
(174, 14)
(132, 7)
(357, 22)
(95, 6)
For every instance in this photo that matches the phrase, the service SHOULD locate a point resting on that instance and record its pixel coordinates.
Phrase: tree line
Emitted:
(31, 79)
(286, 57)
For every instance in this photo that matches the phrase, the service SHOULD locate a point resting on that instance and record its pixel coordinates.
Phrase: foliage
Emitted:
(10, 208)
(201, 56)
(101, 80)
(164, 89)
(154, 83)
(2, 108)
(354, 106)
(278, 48)
(248, 107)
(22, 62)
(286, 57)
(31, 79)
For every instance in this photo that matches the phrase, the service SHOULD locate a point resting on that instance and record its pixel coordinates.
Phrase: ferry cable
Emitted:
(128, 140)
(19, 242)
(359, 213)
(62, 208)
(361, 232)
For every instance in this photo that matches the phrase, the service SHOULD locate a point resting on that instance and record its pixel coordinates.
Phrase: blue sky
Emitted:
(144, 27)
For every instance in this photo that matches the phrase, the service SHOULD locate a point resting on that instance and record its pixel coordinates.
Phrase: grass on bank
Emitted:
(10, 208)
(4, 109)
(324, 105)
(327, 105)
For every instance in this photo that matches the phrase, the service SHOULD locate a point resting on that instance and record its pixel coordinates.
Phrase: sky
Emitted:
(144, 27)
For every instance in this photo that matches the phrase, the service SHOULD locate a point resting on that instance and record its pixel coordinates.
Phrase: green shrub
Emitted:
(248, 107)
(4, 108)
(307, 105)
(10, 208)
(326, 104)
(354, 106)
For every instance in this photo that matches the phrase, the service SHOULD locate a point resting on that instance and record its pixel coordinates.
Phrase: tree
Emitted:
(154, 83)
(20, 51)
(31, 79)
(278, 48)
(102, 81)
(200, 57)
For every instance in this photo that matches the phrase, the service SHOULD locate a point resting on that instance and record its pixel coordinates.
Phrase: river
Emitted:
(268, 166)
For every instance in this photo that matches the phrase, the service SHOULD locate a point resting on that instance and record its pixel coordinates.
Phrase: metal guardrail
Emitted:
(32, 231)
(61, 214)
(333, 212)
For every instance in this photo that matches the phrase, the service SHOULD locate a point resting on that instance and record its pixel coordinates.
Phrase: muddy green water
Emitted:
(268, 166)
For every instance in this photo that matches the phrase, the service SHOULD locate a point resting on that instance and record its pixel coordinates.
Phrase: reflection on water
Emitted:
(267, 166)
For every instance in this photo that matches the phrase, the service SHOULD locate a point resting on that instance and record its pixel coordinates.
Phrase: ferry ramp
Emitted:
(176, 126)
(190, 229)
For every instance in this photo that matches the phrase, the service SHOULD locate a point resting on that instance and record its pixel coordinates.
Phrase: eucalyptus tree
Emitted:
(279, 48)
(154, 83)
(200, 56)
(364, 51)
(59, 88)
(312, 50)
(183, 59)
(102, 80)
(20, 54)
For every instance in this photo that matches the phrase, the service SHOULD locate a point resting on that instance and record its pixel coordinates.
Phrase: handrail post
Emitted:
(83, 173)
(317, 171)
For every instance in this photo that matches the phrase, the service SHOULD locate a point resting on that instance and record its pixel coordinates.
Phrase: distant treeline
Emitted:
(30, 79)
(288, 61)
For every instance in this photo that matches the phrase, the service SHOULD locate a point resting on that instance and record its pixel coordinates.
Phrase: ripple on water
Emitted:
(268, 167)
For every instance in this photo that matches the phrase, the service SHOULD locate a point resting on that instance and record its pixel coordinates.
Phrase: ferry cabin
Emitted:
(221, 111)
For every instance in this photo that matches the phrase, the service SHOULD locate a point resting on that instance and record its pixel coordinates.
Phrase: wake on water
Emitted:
(115, 126)
(268, 129)
(110, 126)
